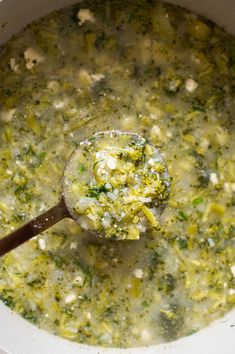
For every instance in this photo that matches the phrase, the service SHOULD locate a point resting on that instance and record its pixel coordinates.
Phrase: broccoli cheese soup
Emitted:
(144, 67)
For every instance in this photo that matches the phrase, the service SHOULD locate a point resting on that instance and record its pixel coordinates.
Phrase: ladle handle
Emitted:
(33, 227)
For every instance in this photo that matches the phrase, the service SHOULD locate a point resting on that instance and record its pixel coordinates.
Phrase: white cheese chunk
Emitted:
(145, 335)
(214, 178)
(231, 291)
(211, 242)
(7, 116)
(155, 131)
(32, 58)
(13, 65)
(233, 270)
(73, 245)
(85, 15)
(53, 85)
(111, 163)
(70, 298)
(79, 279)
(88, 315)
(138, 273)
(191, 85)
(42, 244)
(59, 104)
(97, 77)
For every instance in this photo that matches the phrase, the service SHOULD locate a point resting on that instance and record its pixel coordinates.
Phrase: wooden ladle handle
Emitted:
(34, 227)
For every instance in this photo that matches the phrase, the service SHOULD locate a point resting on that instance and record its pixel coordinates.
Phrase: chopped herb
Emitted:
(18, 218)
(145, 303)
(81, 167)
(58, 259)
(155, 262)
(36, 283)
(30, 315)
(182, 215)
(183, 243)
(40, 156)
(85, 269)
(95, 191)
(197, 201)
(197, 104)
(8, 300)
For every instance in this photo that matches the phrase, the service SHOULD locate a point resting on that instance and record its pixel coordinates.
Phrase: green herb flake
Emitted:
(8, 300)
(182, 216)
(145, 303)
(81, 167)
(183, 243)
(197, 201)
(40, 157)
(95, 191)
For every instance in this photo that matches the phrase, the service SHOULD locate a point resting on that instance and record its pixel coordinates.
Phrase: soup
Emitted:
(149, 68)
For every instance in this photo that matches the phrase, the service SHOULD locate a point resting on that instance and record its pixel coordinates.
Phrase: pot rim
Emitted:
(18, 336)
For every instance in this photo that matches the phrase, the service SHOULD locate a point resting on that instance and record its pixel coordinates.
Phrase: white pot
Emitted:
(18, 336)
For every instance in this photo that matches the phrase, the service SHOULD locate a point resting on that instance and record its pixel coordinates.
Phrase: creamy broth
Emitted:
(150, 68)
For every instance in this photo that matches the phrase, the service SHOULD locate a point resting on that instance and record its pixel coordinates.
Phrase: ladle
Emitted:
(80, 167)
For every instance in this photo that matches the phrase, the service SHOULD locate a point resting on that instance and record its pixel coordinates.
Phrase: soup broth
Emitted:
(145, 67)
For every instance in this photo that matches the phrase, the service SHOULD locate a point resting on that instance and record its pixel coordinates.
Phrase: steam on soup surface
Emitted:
(145, 67)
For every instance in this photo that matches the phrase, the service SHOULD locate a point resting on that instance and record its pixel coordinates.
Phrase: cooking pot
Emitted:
(18, 336)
